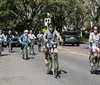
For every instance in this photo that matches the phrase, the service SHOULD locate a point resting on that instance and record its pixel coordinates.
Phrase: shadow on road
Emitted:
(31, 58)
(60, 72)
(5, 55)
(14, 51)
(97, 72)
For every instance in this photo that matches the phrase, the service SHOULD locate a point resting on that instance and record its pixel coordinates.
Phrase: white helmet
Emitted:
(26, 31)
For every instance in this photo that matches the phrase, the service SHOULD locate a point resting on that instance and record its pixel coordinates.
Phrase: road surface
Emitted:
(74, 68)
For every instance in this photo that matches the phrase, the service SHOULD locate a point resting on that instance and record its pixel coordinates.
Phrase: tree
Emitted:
(22, 12)
(94, 11)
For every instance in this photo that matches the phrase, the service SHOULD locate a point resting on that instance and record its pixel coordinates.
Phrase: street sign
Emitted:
(47, 21)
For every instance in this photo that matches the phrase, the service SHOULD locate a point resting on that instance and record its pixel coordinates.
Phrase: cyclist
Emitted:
(50, 35)
(2, 38)
(24, 40)
(10, 37)
(32, 38)
(40, 40)
(94, 38)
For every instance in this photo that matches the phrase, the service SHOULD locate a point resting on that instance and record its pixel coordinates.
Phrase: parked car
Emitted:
(71, 37)
(15, 41)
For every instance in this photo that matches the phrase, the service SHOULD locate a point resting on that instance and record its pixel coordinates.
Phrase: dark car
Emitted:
(71, 37)
(15, 41)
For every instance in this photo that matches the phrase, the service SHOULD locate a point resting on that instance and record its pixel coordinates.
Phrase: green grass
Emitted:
(83, 40)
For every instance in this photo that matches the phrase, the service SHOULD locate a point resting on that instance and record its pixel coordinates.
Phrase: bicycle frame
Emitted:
(40, 44)
(31, 47)
(96, 61)
(53, 64)
(10, 46)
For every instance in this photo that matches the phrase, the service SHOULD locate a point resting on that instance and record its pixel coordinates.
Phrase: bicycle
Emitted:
(10, 46)
(25, 51)
(40, 43)
(53, 64)
(94, 68)
(31, 47)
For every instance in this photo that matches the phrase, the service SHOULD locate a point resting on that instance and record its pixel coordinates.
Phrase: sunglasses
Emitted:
(95, 29)
(50, 26)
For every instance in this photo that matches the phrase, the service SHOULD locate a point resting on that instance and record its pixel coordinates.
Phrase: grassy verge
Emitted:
(83, 40)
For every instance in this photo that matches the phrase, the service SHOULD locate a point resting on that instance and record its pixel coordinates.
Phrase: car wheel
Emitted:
(78, 44)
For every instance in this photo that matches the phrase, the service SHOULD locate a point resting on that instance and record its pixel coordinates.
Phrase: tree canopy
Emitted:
(30, 14)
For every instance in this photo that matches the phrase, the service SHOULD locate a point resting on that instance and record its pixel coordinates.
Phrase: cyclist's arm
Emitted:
(4, 38)
(45, 40)
(29, 40)
(44, 37)
(91, 37)
(20, 39)
(37, 35)
(34, 36)
(58, 35)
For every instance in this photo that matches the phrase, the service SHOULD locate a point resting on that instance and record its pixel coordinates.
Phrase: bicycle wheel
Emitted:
(55, 66)
(93, 69)
(23, 56)
(10, 47)
(97, 63)
(32, 49)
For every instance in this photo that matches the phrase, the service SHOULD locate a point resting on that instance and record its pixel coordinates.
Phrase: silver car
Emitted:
(71, 37)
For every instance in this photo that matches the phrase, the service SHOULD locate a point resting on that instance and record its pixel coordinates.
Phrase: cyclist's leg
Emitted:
(46, 55)
(11, 46)
(22, 48)
(38, 46)
(33, 47)
(94, 54)
(30, 48)
(26, 51)
(98, 50)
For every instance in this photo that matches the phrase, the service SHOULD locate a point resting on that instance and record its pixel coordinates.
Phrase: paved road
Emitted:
(73, 60)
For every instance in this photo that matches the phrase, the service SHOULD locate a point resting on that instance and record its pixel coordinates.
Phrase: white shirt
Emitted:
(31, 36)
(2, 38)
(40, 35)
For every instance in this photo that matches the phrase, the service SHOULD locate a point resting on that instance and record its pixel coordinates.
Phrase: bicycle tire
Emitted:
(10, 47)
(26, 53)
(49, 65)
(55, 64)
(97, 63)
